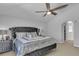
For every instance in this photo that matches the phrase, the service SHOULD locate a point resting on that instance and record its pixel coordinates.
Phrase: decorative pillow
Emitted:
(31, 34)
(34, 34)
(28, 35)
(20, 34)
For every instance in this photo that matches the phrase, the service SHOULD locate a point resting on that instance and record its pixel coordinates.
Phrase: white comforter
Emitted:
(25, 45)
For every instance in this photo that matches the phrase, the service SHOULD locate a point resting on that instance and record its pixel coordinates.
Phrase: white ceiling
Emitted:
(28, 9)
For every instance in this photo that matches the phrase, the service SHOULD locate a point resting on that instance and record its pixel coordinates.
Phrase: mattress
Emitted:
(25, 46)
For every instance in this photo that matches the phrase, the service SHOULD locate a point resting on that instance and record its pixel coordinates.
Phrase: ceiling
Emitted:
(24, 10)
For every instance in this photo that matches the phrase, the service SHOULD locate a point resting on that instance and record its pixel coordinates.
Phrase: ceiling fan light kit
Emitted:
(48, 13)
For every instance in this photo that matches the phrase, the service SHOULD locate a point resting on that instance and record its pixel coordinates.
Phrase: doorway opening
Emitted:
(68, 31)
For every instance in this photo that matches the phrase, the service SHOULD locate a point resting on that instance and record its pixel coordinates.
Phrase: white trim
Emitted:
(75, 45)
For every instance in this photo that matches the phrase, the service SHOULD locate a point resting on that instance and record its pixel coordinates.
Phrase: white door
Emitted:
(69, 31)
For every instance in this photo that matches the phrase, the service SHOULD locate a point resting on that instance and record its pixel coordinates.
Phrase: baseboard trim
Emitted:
(75, 45)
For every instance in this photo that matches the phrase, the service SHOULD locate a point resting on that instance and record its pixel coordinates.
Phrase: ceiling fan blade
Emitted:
(60, 7)
(45, 14)
(40, 11)
(54, 13)
(48, 6)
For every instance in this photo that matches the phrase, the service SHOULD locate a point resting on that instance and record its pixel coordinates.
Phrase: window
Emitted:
(70, 26)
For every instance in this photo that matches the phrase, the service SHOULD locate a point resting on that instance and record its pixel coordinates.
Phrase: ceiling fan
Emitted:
(51, 11)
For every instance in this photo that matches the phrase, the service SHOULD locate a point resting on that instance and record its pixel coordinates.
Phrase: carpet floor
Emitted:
(65, 49)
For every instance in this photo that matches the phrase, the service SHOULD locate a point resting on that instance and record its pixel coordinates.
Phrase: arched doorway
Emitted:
(69, 31)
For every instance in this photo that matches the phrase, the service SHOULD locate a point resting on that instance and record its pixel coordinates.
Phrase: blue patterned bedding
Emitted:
(24, 46)
(5, 45)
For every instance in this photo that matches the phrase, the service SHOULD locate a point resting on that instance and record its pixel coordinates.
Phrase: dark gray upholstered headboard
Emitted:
(23, 29)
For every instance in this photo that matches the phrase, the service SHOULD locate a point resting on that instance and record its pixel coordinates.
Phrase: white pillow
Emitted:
(20, 34)
(34, 34)
(26, 34)
(29, 35)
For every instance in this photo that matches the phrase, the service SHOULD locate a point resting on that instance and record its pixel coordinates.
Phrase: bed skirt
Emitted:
(43, 51)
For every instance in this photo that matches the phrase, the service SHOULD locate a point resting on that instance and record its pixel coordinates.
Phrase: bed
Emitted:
(35, 46)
